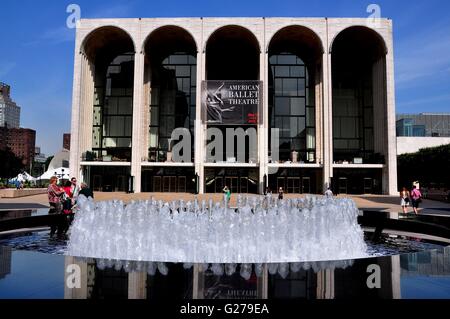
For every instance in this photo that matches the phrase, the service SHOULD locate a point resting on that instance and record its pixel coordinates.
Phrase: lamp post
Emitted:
(60, 176)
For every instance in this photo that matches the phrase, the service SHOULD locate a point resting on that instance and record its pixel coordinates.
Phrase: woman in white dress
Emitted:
(404, 199)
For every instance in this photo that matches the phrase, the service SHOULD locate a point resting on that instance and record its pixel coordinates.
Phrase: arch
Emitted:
(358, 70)
(232, 52)
(361, 28)
(304, 32)
(105, 38)
(170, 29)
(236, 27)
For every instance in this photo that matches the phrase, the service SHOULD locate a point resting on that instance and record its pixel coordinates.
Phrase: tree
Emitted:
(429, 166)
(11, 165)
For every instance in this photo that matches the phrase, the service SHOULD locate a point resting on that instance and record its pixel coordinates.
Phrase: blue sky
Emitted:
(36, 48)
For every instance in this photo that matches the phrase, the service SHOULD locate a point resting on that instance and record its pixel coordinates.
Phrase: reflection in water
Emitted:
(245, 270)
(403, 276)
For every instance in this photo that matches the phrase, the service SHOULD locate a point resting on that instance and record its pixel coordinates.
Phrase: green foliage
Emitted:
(11, 165)
(429, 166)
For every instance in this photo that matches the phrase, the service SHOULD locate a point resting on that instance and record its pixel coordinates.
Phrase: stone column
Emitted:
(395, 277)
(75, 273)
(138, 120)
(325, 284)
(391, 152)
(264, 125)
(76, 109)
(200, 127)
(262, 284)
(327, 139)
(137, 285)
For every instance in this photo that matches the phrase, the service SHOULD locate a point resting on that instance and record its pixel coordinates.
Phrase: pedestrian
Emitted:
(328, 193)
(280, 193)
(55, 194)
(416, 199)
(86, 191)
(404, 199)
(227, 192)
(75, 189)
(67, 198)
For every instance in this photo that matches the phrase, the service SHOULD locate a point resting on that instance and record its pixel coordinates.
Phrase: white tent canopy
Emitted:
(61, 172)
(23, 177)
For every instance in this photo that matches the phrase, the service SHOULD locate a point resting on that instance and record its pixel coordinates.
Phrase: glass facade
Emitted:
(357, 59)
(173, 99)
(434, 125)
(113, 110)
(292, 107)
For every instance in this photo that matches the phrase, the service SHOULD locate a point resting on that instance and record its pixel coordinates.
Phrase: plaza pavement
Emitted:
(364, 202)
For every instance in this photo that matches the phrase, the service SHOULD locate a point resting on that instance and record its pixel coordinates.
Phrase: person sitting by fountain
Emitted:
(86, 191)
(67, 198)
(55, 194)
(75, 189)
(328, 193)
(280, 193)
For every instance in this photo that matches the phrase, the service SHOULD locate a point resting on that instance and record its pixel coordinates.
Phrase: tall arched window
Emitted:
(292, 106)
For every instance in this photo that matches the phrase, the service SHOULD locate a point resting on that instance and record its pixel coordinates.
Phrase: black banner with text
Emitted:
(231, 102)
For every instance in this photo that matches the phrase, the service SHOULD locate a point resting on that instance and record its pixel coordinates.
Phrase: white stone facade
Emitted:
(412, 144)
(326, 29)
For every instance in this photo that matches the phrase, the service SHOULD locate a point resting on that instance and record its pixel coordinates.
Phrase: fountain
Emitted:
(259, 230)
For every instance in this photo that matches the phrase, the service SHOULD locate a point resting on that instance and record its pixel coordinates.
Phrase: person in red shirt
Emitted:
(67, 202)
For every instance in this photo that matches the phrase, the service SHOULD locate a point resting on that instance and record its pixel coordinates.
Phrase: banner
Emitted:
(231, 102)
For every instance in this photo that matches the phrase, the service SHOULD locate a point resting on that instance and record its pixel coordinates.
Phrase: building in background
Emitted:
(424, 124)
(416, 131)
(39, 162)
(326, 84)
(9, 110)
(38, 156)
(22, 141)
(66, 141)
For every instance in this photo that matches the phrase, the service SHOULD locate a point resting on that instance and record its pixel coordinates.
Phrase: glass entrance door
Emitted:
(244, 185)
(368, 183)
(232, 183)
(306, 185)
(343, 185)
(293, 185)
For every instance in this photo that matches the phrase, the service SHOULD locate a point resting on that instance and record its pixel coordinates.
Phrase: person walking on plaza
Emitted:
(280, 193)
(416, 198)
(227, 193)
(404, 199)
